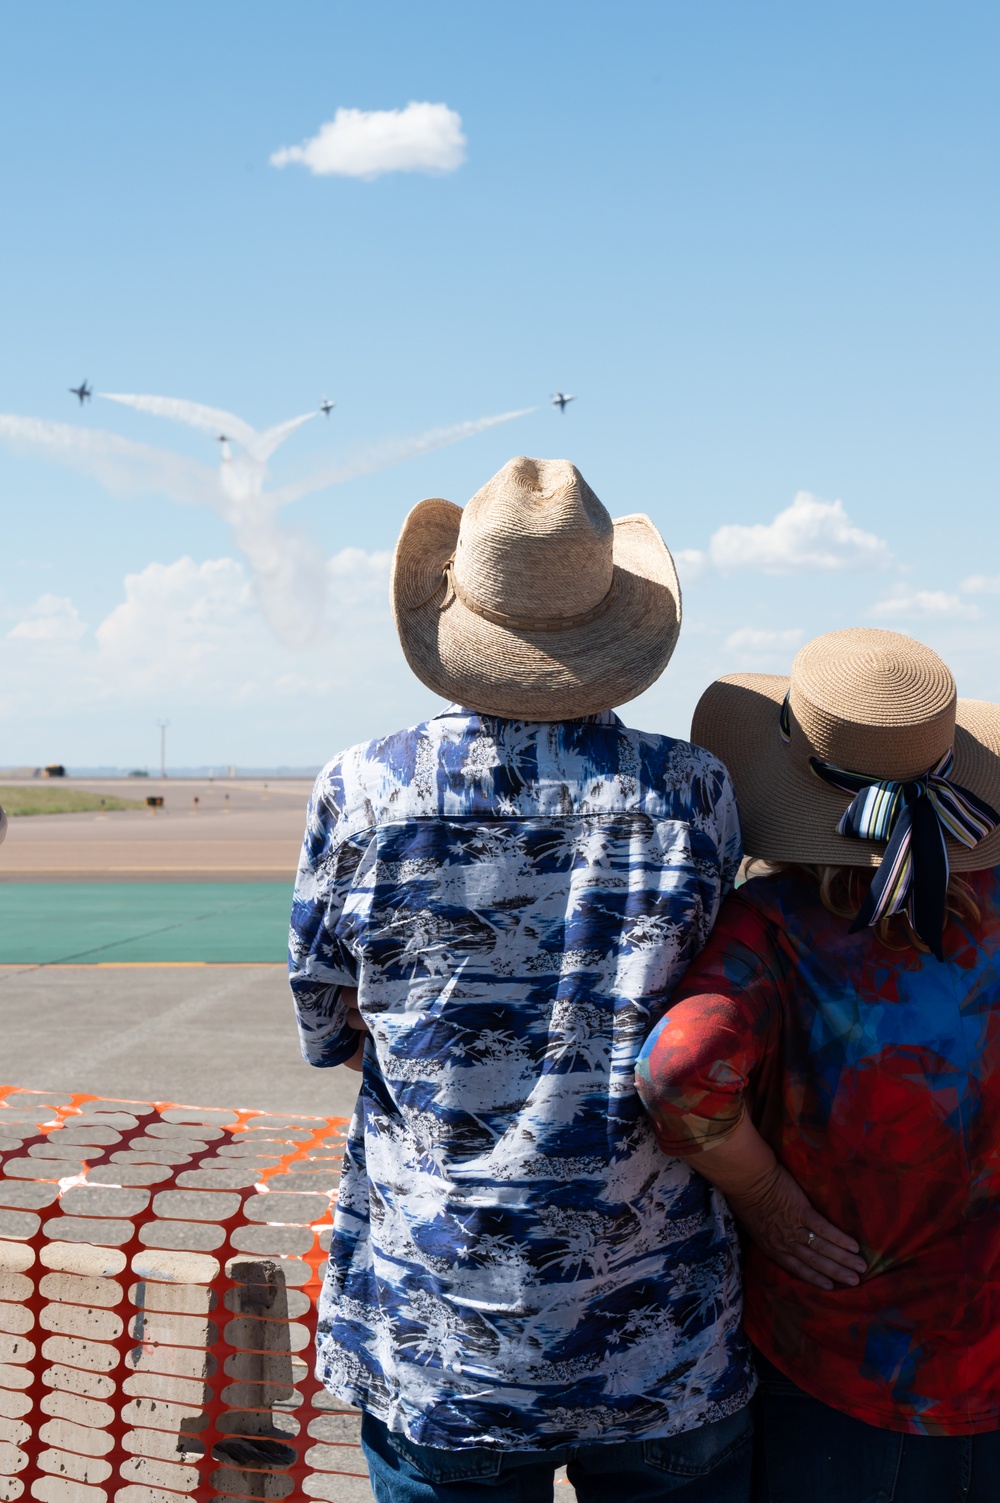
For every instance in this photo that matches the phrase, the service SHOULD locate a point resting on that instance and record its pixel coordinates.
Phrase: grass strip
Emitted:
(48, 800)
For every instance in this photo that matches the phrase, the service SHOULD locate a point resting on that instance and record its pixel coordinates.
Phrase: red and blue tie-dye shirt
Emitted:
(875, 1076)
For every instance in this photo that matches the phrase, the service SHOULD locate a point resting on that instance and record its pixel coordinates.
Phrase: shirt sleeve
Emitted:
(724, 1019)
(326, 910)
(730, 834)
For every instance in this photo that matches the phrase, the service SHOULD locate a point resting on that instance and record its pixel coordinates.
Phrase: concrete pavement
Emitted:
(202, 1036)
(199, 1035)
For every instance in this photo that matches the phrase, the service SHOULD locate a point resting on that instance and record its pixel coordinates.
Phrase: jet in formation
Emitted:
(560, 400)
(326, 406)
(83, 391)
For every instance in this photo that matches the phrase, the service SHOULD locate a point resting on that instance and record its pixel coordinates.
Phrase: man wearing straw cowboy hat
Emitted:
(519, 1279)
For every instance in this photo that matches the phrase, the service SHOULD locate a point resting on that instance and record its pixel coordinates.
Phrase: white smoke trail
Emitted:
(392, 452)
(214, 420)
(265, 443)
(290, 574)
(289, 571)
(123, 467)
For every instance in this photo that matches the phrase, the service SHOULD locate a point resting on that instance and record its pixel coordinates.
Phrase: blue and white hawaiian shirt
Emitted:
(514, 1262)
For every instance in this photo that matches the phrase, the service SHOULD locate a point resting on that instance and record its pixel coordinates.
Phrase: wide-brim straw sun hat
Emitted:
(531, 603)
(874, 702)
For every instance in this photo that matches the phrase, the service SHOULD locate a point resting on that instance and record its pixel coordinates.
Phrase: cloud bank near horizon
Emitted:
(192, 629)
(189, 639)
(367, 144)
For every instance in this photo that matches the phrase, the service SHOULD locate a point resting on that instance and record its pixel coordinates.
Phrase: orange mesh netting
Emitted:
(159, 1268)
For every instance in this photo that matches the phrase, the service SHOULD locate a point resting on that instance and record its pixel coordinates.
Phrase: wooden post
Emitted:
(255, 1452)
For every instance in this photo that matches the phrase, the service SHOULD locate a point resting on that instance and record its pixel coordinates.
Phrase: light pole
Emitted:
(163, 746)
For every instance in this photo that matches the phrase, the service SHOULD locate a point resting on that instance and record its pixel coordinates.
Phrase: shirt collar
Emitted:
(603, 717)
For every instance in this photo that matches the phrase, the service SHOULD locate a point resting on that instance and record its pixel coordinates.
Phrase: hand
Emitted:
(357, 1022)
(779, 1216)
(354, 1018)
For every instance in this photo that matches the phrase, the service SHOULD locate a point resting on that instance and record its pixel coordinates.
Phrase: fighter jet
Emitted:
(326, 406)
(559, 400)
(83, 391)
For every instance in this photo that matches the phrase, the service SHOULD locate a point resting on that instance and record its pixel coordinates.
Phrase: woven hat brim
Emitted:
(789, 814)
(534, 675)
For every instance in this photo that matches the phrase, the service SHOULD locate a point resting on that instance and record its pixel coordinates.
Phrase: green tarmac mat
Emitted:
(56, 923)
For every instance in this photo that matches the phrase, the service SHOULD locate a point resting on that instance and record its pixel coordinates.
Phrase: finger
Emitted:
(836, 1255)
(814, 1222)
(802, 1271)
(817, 1261)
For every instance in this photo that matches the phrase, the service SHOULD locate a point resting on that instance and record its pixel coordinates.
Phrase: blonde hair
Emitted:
(842, 890)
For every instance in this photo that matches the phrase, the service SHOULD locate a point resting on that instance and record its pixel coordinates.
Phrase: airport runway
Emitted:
(201, 1034)
(238, 831)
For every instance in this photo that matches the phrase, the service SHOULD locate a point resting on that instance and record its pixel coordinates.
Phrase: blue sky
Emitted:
(758, 241)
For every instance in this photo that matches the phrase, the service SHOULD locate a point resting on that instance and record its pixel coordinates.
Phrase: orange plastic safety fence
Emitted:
(159, 1269)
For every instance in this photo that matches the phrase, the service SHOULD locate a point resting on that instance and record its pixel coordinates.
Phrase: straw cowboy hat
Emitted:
(531, 603)
(862, 702)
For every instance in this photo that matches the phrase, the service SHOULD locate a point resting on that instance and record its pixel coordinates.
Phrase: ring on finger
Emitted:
(810, 1239)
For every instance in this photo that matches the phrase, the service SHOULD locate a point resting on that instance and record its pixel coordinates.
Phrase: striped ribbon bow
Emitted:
(913, 818)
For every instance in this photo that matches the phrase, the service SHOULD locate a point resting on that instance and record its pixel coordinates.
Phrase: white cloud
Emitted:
(367, 143)
(197, 624)
(52, 618)
(194, 629)
(809, 536)
(183, 612)
(186, 640)
(981, 584)
(924, 605)
(357, 576)
(690, 564)
(754, 640)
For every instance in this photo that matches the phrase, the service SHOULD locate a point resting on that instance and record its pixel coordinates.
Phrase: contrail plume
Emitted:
(289, 572)
(264, 445)
(214, 420)
(392, 452)
(123, 467)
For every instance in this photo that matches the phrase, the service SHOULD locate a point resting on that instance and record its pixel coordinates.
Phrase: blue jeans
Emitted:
(709, 1465)
(808, 1451)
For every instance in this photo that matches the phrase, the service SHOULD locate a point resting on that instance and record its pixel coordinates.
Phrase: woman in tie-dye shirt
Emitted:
(832, 1063)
